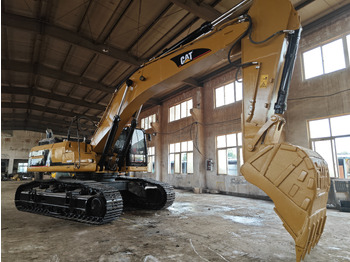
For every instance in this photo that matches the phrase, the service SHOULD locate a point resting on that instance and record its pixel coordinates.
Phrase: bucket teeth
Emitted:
(297, 181)
(313, 232)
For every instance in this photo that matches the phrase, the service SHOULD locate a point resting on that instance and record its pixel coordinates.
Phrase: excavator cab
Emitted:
(136, 152)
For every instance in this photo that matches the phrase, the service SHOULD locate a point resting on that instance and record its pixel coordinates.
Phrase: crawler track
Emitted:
(83, 201)
(92, 202)
(145, 193)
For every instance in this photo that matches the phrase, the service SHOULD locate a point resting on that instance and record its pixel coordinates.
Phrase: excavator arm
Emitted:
(295, 178)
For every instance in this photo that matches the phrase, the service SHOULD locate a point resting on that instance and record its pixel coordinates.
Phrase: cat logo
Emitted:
(185, 58)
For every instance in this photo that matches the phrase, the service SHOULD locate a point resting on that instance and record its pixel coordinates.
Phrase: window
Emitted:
(326, 58)
(151, 159)
(180, 111)
(22, 167)
(181, 158)
(146, 122)
(228, 94)
(330, 137)
(137, 150)
(229, 153)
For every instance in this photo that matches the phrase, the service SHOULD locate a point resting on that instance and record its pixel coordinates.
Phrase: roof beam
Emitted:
(49, 95)
(326, 19)
(174, 36)
(44, 109)
(50, 121)
(19, 116)
(201, 10)
(150, 26)
(39, 27)
(12, 65)
(32, 126)
(106, 33)
(153, 101)
(178, 32)
(302, 4)
(192, 82)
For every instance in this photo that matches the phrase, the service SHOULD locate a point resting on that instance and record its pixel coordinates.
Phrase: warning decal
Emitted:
(263, 81)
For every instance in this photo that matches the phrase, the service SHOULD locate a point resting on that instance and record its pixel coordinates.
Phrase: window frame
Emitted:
(345, 40)
(150, 119)
(236, 84)
(334, 166)
(177, 152)
(237, 146)
(151, 158)
(172, 113)
(22, 167)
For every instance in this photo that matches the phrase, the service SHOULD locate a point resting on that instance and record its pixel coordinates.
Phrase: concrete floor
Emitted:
(198, 227)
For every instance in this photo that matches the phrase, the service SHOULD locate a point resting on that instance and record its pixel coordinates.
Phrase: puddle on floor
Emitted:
(179, 208)
(251, 221)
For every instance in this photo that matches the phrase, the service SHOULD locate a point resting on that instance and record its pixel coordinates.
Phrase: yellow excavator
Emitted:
(295, 178)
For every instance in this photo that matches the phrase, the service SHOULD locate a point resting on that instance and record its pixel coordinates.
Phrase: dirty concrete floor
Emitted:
(198, 227)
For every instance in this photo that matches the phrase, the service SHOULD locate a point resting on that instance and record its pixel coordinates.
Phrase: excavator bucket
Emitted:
(297, 180)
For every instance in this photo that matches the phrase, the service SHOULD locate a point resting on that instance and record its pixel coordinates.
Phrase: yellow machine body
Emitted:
(295, 178)
(65, 156)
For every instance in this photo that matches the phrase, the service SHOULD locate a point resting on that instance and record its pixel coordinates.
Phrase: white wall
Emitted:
(17, 144)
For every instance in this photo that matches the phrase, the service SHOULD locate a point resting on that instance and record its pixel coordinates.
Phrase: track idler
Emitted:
(297, 180)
